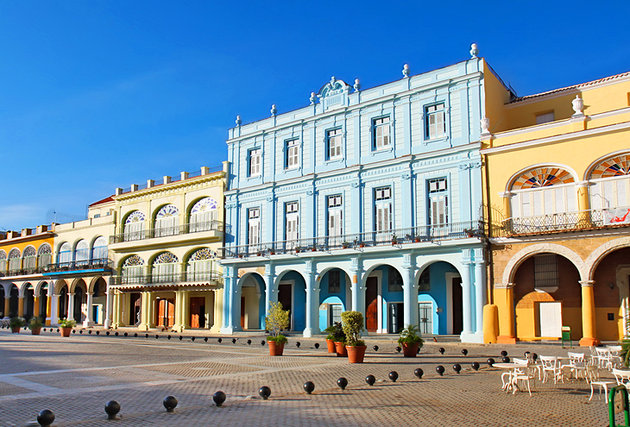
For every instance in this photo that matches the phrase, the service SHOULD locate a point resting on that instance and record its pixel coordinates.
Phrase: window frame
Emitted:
(436, 195)
(250, 221)
(289, 144)
(330, 134)
(428, 114)
(250, 163)
(375, 138)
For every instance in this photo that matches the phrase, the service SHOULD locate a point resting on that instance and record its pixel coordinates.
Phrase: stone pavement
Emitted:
(76, 376)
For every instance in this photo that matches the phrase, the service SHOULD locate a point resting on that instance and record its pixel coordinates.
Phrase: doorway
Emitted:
(396, 317)
(198, 312)
(285, 297)
(456, 305)
(371, 304)
(165, 312)
(425, 317)
(135, 302)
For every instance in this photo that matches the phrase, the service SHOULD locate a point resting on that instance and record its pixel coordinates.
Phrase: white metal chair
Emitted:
(593, 380)
(523, 374)
(622, 376)
(604, 357)
(551, 367)
(577, 364)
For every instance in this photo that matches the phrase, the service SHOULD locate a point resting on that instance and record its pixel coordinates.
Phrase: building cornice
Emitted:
(163, 188)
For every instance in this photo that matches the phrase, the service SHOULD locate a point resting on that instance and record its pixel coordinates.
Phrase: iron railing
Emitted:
(207, 276)
(151, 233)
(426, 233)
(92, 264)
(561, 222)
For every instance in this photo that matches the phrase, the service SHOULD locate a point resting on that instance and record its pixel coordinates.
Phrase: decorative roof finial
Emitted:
(474, 50)
(332, 81)
(405, 70)
(274, 110)
(313, 98)
(578, 106)
(485, 126)
(238, 120)
(357, 85)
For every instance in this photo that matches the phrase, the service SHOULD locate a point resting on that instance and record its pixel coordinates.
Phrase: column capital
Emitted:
(587, 283)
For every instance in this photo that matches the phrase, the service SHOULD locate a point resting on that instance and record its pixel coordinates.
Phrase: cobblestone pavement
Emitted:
(76, 376)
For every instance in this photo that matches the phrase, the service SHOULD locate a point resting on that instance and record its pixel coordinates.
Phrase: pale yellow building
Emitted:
(557, 198)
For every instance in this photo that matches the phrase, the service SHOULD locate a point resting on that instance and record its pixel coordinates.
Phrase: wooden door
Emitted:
(197, 312)
(161, 312)
(456, 293)
(371, 304)
(170, 303)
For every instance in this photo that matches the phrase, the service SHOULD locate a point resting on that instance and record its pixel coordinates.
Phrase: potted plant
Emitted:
(352, 326)
(16, 323)
(35, 325)
(65, 326)
(394, 239)
(410, 341)
(276, 321)
(335, 335)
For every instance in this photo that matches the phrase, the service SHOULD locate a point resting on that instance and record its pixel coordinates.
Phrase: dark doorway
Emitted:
(78, 300)
(29, 303)
(63, 303)
(457, 305)
(2, 314)
(285, 297)
(43, 302)
(13, 303)
(243, 312)
(371, 304)
(198, 312)
(396, 318)
(165, 313)
(135, 300)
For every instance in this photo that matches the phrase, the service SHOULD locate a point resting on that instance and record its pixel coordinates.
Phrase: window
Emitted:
(382, 213)
(438, 202)
(254, 162)
(394, 281)
(82, 252)
(333, 142)
(545, 271)
(335, 219)
(334, 281)
(44, 256)
(424, 283)
(99, 250)
(291, 224)
(29, 261)
(253, 227)
(65, 254)
(435, 123)
(166, 221)
(132, 270)
(3, 261)
(292, 154)
(134, 226)
(202, 214)
(200, 266)
(165, 268)
(380, 133)
(545, 117)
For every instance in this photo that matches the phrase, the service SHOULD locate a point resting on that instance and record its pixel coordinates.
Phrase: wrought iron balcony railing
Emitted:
(151, 233)
(563, 222)
(93, 264)
(151, 279)
(427, 233)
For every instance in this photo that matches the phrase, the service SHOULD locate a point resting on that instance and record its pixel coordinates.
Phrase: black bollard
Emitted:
(249, 342)
(418, 372)
(168, 337)
(97, 332)
(316, 345)
(490, 362)
(220, 340)
(181, 338)
(205, 339)
(504, 353)
(46, 417)
(112, 408)
(393, 375)
(440, 370)
(475, 366)
(262, 342)
(146, 335)
(170, 402)
(116, 333)
(233, 340)
(398, 349)
(192, 339)
(81, 331)
(264, 392)
(505, 359)
(375, 348)
(219, 398)
(90, 332)
(106, 332)
(298, 344)
(342, 383)
(370, 380)
(457, 368)
(157, 336)
(441, 350)
(464, 352)
(309, 387)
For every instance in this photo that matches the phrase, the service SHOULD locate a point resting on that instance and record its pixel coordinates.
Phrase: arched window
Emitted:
(82, 252)
(543, 191)
(200, 265)
(99, 250)
(14, 260)
(134, 226)
(202, 214)
(132, 270)
(44, 256)
(65, 255)
(610, 188)
(29, 259)
(165, 268)
(166, 221)
(3, 262)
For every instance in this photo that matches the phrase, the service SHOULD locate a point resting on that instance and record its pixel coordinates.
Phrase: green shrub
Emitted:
(35, 323)
(410, 335)
(277, 320)
(335, 332)
(67, 323)
(352, 326)
(17, 322)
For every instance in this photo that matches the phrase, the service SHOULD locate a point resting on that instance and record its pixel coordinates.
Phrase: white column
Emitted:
(410, 292)
(107, 323)
(70, 314)
(54, 307)
(271, 293)
(358, 290)
(230, 284)
(89, 320)
(466, 300)
(312, 303)
(480, 296)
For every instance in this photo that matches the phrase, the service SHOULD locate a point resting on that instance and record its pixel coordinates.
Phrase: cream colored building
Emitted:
(165, 248)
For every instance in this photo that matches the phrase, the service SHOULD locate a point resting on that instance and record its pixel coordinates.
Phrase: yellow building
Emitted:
(24, 258)
(165, 248)
(557, 200)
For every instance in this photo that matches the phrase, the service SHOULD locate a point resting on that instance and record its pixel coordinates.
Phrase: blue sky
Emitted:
(97, 94)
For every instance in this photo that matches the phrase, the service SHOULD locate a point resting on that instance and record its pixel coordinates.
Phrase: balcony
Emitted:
(72, 266)
(563, 222)
(403, 236)
(169, 279)
(187, 233)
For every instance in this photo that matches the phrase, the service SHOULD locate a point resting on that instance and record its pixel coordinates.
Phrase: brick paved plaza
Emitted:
(75, 376)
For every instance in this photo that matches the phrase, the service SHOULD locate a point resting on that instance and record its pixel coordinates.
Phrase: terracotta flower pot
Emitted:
(15, 329)
(340, 349)
(409, 349)
(275, 348)
(331, 346)
(356, 353)
(65, 332)
(36, 331)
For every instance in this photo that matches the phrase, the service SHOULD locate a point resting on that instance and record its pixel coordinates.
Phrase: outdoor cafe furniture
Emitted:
(576, 364)
(517, 371)
(593, 380)
(607, 357)
(551, 367)
(622, 376)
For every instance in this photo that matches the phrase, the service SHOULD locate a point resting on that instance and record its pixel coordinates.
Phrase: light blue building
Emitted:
(366, 199)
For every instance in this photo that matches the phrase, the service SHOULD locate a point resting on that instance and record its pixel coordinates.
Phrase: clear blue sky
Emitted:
(98, 94)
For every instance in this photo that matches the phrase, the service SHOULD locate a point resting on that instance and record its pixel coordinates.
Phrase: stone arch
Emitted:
(132, 259)
(620, 156)
(520, 175)
(427, 263)
(596, 256)
(539, 248)
(59, 284)
(323, 272)
(93, 282)
(254, 313)
(24, 286)
(40, 285)
(76, 282)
